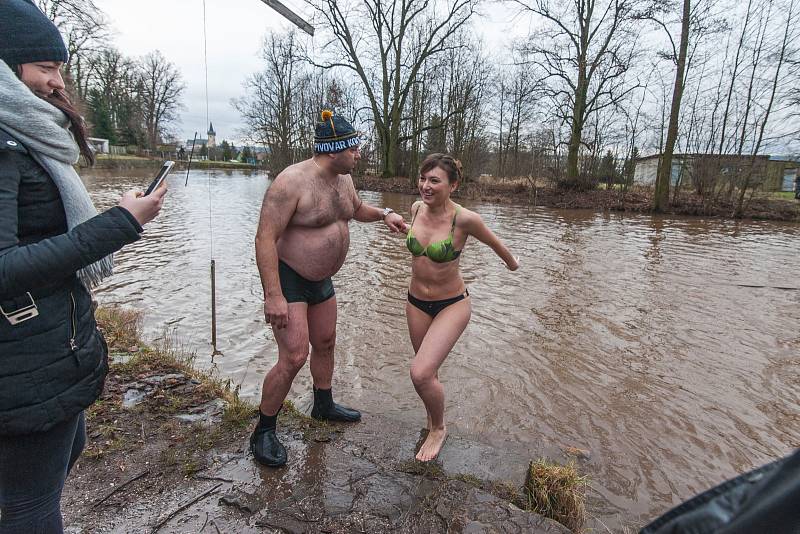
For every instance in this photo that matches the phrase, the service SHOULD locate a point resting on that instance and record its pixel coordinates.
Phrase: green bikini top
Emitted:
(440, 251)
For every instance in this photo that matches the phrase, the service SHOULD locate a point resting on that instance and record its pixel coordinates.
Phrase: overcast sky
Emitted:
(236, 29)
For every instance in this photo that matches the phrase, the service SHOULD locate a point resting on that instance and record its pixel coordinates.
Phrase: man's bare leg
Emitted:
(322, 336)
(292, 354)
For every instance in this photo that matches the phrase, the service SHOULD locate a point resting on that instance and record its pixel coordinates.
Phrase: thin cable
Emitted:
(210, 211)
(208, 174)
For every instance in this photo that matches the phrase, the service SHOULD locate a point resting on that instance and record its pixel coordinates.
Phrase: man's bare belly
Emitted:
(315, 253)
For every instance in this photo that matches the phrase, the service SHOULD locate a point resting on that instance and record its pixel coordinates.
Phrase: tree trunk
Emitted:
(578, 112)
(661, 197)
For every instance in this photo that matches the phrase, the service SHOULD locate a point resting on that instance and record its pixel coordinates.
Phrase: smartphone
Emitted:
(159, 177)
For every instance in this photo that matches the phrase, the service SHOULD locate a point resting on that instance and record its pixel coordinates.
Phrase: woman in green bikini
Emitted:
(438, 307)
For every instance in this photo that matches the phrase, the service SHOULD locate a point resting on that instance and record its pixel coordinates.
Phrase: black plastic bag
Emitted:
(763, 501)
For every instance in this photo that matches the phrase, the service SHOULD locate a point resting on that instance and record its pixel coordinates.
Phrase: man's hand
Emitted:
(276, 311)
(396, 223)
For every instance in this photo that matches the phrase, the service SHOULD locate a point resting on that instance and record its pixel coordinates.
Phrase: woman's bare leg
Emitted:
(418, 324)
(438, 340)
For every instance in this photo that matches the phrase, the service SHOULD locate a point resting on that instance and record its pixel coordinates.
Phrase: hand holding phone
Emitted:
(162, 174)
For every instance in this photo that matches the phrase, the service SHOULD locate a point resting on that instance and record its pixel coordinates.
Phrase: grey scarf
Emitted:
(44, 131)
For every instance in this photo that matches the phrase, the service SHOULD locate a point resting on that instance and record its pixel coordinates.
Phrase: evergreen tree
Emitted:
(100, 117)
(227, 153)
(608, 169)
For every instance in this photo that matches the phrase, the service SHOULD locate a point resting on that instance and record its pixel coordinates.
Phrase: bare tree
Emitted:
(585, 50)
(780, 61)
(85, 29)
(661, 196)
(113, 99)
(270, 107)
(386, 45)
(515, 105)
(160, 88)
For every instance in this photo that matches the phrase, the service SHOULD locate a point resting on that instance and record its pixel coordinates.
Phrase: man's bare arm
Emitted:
(279, 204)
(363, 212)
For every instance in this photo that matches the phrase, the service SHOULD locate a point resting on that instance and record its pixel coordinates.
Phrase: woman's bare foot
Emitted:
(433, 444)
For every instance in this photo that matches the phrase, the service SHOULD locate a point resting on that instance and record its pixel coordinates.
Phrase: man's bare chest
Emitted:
(322, 205)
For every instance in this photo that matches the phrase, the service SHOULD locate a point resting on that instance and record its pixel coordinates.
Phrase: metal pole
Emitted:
(291, 16)
(213, 308)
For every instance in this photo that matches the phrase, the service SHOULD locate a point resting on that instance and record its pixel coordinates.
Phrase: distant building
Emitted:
(777, 173)
(210, 142)
(99, 145)
(212, 135)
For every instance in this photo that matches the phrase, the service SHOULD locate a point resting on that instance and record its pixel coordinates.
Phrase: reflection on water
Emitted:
(637, 338)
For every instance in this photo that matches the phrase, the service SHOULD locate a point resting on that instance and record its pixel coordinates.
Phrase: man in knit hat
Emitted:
(302, 240)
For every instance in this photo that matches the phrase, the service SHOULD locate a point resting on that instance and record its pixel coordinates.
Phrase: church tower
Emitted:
(212, 136)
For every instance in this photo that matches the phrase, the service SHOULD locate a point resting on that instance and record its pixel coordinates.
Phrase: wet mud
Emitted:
(171, 462)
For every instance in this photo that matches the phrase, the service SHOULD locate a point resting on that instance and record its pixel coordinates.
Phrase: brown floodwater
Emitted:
(666, 347)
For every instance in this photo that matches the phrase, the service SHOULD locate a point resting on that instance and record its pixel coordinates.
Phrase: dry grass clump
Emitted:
(121, 327)
(558, 492)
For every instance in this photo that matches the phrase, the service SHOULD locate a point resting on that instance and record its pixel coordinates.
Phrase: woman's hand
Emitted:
(143, 208)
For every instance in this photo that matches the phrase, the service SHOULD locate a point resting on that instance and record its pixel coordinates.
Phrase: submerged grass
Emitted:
(558, 492)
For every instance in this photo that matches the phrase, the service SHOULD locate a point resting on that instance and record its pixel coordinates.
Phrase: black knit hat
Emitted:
(27, 35)
(334, 134)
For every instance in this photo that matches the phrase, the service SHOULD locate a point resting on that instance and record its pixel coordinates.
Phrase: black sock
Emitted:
(267, 421)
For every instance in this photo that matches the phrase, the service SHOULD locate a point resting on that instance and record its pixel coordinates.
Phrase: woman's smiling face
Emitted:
(434, 186)
(42, 77)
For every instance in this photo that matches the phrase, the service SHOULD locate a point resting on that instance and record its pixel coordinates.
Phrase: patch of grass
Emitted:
(430, 470)
(237, 413)
(506, 491)
(558, 492)
(472, 480)
(785, 195)
(290, 411)
(108, 439)
(122, 328)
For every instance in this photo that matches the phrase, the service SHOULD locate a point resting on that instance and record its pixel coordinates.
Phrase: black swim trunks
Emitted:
(433, 307)
(297, 289)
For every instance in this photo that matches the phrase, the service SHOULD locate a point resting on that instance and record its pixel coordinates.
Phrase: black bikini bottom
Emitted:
(433, 307)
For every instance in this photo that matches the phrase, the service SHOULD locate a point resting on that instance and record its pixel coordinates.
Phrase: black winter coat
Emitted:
(53, 365)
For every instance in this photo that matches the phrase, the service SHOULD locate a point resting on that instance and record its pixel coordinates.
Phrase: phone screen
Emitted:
(162, 173)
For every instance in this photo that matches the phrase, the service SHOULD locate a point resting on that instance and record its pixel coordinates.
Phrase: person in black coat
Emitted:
(54, 246)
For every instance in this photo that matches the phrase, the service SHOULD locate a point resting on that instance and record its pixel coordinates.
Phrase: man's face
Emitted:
(42, 77)
(346, 160)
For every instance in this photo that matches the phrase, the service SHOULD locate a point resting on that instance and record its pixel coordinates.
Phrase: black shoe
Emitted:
(327, 410)
(266, 447)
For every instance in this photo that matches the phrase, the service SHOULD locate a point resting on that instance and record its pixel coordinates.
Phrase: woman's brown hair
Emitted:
(450, 165)
(60, 100)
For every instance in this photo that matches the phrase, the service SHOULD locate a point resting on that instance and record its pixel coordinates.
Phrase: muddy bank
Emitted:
(762, 206)
(167, 452)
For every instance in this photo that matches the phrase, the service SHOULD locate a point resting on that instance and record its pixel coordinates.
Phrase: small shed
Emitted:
(776, 173)
(99, 145)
